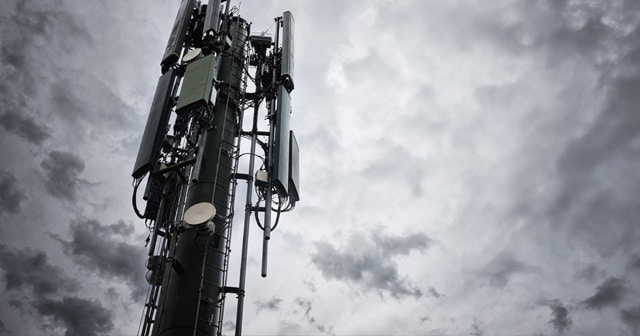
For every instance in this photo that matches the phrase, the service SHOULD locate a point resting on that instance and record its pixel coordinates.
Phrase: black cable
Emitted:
(278, 213)
(136, 184)
(258, 217)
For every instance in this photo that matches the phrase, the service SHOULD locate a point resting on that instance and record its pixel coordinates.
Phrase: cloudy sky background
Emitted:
(466, 168)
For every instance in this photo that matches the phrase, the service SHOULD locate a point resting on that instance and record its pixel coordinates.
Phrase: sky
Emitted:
(467, 168)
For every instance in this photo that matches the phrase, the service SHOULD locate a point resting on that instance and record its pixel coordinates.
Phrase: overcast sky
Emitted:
(467, 168)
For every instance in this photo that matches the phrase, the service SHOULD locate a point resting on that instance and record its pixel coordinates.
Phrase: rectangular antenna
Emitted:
(176, 39)
(280, 173)
(294, 169)
(156, 126)
(197, 85)
(212, 20)
(286, 68)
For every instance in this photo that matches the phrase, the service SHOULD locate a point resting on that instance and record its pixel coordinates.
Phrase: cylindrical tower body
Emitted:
(192, 289)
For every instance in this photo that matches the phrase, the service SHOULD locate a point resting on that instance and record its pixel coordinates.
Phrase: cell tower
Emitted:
(190, 154)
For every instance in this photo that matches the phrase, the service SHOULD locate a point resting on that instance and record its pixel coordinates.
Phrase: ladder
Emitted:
(227, 187)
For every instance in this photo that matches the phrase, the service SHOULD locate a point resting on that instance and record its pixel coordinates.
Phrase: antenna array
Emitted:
(189, 156)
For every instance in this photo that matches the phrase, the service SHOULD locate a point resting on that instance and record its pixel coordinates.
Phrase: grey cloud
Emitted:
(397, 164)
(24, 28)
(373, 267)
(24, 126)
(590, 273)
(605, 214)
(605, 40)
(634, 262)
(273, 304)
(11, 196)
(502, 268)
(77, 316)
(31, 270)
(96, 247)
(475, 328)
(401, 245)
(435, 293)
(229, 326)
(3, 329)
(560, 316)
(306, 305)
(609, 293)
(631, 317)
(80, 97)
(61, 172)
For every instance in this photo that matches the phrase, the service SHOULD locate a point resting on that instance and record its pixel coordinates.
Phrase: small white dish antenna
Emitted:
(192, 55)
(199, 213)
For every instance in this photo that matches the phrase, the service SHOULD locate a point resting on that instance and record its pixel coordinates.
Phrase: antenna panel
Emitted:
(212, 20)
(286, 68)
(294, 168)
(197, 85)
(280, 174)
(178, 33)
(156, 127)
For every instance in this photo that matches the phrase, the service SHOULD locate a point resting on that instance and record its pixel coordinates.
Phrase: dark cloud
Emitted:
(396, 164)
(3, 329)
(31, 270)
(26, 28)
(634, 262)
(306, 306)
(502, 268)
(594, 181)
(604, 214)
(475, 328)
(273, 304)
(373, 267)
(61, 174)
(24, 126)
(435, 293)
(77, 316)
(609, 293)
(631, 317)
(11, 196)
(96, 247)
(560, 316)
(32, 281)
(590, 273)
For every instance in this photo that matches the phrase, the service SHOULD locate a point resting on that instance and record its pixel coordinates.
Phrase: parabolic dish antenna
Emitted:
(192, 55)
(199, 213)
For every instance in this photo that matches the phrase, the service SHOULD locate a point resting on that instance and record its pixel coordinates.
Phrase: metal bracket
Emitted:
(234, 290)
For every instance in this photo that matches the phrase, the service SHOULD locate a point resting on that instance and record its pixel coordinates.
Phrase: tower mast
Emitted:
(189, 156)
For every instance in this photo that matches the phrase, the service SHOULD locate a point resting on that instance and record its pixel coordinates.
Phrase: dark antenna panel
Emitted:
(178, 33)
(286, 69)
(281, 144)
(197, 85)
(156, 127)
(212, 20)
(294, 169)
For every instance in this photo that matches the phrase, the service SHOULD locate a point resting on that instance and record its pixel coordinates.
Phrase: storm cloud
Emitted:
(272, 304)
(77, 316)
(32, 281)
(99, 248)
(11, 194)
(631, 317)
(503, 268)
(25, 127)
(608, 294)
(367, 262)
(560, 317)
(31, 270)
(61, 171)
